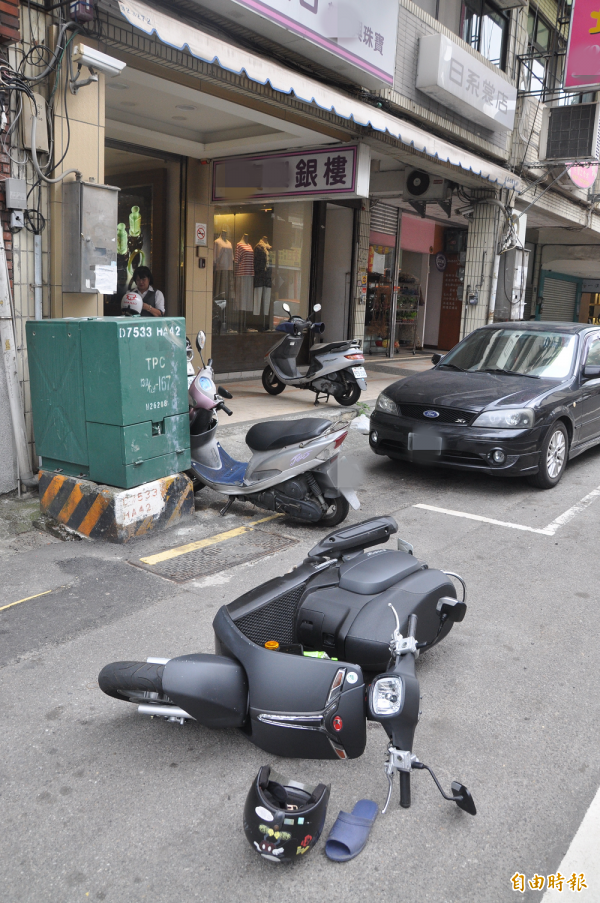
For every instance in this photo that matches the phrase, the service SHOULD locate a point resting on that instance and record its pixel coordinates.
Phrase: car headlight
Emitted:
(507, 419)
(386, 405)
(386, 697)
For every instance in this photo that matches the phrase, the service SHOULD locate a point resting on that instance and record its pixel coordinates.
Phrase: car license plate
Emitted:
(359, 372)
(425, 442)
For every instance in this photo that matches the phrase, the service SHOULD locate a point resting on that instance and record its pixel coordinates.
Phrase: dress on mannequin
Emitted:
(262, 277)
(223, 267)
(244, 275)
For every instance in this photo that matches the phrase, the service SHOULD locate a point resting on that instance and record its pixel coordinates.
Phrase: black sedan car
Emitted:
(511, 399)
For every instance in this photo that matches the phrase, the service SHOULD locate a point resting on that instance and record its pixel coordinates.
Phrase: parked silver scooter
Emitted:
(295, 466)
(333, 368)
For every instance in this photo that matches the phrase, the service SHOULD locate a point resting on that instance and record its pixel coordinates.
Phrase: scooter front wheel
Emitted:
(270, 382)
(350, 396)
(336, 513)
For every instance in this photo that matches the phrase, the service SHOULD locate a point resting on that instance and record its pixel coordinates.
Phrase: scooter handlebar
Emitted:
(226, 409)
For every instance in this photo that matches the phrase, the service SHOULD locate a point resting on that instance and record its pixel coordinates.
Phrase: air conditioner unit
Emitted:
(570, 134)
(420, 186)
(421, 189)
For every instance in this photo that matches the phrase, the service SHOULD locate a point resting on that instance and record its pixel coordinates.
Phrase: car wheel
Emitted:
(553, 457)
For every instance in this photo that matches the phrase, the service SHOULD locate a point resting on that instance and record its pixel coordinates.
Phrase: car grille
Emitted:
(447, 415)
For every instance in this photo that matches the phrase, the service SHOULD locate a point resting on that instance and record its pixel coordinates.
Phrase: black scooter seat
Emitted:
(331, 346)
(277, 434)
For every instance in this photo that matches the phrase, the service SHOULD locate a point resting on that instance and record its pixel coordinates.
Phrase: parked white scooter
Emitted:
(333, 368)
(295, 466)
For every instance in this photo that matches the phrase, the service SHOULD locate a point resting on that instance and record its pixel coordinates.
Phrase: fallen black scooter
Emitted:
(342, 601)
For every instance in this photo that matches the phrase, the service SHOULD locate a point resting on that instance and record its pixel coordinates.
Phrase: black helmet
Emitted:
(283, 819)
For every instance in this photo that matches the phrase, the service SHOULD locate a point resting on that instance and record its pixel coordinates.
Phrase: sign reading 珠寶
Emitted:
(325, 172)
(457, 79)
(362, 34)
(582, 69)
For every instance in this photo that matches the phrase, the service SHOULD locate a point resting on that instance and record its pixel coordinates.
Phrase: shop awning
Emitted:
(210, 49)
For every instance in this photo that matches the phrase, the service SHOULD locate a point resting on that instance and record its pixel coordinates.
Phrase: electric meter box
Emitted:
(109, 397)
(90, 215)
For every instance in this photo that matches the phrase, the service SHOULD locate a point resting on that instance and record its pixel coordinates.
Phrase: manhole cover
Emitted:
(219, 557)
(30, 540)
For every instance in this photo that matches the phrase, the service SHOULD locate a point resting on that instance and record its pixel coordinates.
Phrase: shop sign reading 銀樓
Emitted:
(325, 172)
(457, 79)
(361, 34)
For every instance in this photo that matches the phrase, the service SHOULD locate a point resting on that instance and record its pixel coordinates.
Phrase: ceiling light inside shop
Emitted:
(180, 118)
(117, 86)
(129, 103)
(185, 106)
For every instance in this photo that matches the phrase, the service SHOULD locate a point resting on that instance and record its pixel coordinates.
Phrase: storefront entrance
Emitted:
(149, 220)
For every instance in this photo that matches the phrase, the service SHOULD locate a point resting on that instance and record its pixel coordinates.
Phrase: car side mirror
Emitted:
(436, 358)
(591, 372)
(451, 608)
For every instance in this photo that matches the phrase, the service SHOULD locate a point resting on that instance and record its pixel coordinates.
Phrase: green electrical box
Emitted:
(109, 397)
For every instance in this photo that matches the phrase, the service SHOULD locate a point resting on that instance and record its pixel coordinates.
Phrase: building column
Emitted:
(358, 300)
(198, 281)
(79, 135)
(484, 231)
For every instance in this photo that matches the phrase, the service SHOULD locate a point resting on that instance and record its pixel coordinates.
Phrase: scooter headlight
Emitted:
(386, 696)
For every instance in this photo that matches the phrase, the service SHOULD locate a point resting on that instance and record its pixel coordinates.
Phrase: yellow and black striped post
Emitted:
(96, 511)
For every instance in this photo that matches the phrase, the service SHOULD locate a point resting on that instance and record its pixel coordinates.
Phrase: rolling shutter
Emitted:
(559, 300)
(384, 218)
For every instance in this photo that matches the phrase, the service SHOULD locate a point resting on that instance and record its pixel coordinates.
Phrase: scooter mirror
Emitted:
(317, 307)
(286, 307)
(201, 340)
(452, 608)
(466, 803)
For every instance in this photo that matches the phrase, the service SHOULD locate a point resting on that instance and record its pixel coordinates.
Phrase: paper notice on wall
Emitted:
(106, 279)
(378, 263)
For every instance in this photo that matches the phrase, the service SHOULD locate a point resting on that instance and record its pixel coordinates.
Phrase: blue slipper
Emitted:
(350, 831)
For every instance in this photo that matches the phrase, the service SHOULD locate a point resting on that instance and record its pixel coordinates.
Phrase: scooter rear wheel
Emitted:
(270, 382)
(350, 396)
(133, 681)
(338, 511)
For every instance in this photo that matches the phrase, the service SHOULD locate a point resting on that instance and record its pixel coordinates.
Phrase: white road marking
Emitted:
(550, 530)
(582, 857)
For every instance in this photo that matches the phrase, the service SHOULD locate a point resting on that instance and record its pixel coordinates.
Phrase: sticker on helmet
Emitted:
(352, 677)
(263, 813)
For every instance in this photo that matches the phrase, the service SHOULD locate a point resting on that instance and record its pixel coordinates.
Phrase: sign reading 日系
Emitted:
(465, 84)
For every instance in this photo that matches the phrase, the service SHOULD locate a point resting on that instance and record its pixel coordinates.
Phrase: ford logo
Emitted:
(431, 414)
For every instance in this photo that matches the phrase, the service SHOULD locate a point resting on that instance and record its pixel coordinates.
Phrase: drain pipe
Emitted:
(9, 358)
(37, 276)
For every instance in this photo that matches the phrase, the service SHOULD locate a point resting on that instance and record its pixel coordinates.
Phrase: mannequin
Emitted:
(244, 278)
(223, 267)
(262, 279)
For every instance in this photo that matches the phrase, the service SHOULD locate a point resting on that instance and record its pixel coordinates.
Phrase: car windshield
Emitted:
(518, 351)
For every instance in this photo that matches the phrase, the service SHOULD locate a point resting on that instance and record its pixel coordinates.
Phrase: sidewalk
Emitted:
(250, 401)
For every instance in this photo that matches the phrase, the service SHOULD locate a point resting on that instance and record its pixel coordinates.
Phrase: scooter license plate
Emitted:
(359, 372)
